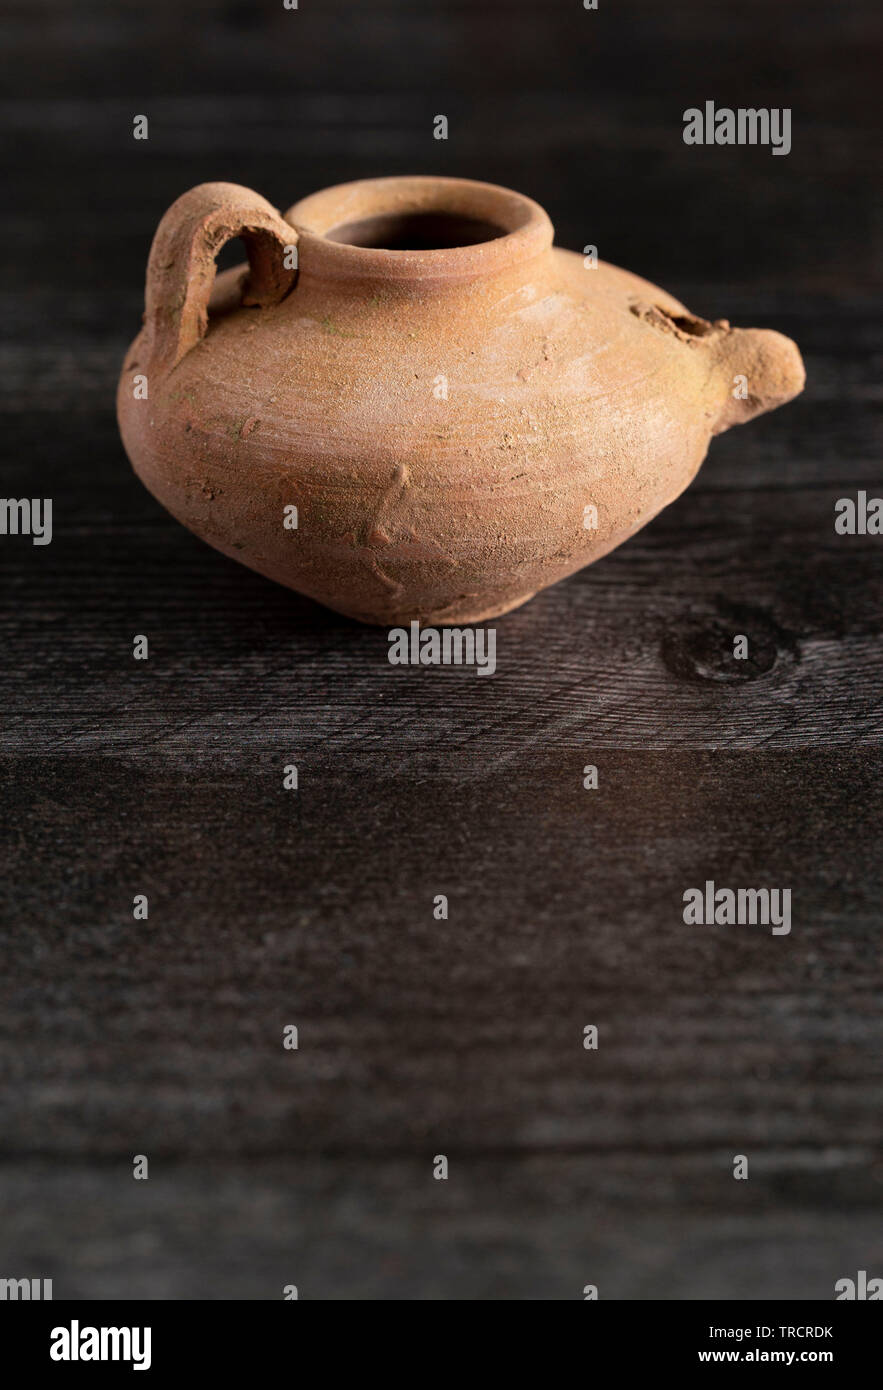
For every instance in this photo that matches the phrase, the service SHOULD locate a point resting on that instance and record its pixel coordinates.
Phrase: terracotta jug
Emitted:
(409, 404)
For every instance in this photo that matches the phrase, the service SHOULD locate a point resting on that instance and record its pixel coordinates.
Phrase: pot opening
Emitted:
(416, 231)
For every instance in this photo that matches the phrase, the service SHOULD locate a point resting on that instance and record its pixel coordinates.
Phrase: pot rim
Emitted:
(525, 228)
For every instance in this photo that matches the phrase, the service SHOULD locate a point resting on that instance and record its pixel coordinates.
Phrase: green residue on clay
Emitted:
(331, 327)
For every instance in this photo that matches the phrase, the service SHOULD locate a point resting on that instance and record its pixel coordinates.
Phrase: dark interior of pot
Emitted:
(416, 231)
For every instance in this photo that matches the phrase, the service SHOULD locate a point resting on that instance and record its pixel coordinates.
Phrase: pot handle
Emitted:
(181, 267)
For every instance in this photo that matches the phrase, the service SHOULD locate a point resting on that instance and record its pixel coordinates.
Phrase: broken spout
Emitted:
(759, 370)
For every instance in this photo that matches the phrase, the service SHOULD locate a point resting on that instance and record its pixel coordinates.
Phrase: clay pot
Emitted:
(460, 413)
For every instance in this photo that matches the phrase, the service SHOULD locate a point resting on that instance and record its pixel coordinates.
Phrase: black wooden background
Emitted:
(164, 777)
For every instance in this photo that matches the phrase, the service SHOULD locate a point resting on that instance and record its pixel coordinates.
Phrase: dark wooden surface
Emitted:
(462, 1037)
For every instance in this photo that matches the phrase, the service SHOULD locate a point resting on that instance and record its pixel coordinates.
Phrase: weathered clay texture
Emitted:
(441, 418)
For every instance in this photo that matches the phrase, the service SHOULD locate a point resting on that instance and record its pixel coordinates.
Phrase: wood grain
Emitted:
(164, 777)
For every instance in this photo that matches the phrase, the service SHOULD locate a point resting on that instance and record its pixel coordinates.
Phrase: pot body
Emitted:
(420, 432)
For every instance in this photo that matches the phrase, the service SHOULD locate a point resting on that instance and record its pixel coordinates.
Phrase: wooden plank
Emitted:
(519, 1228)
(635, 652)
(462, 1036)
